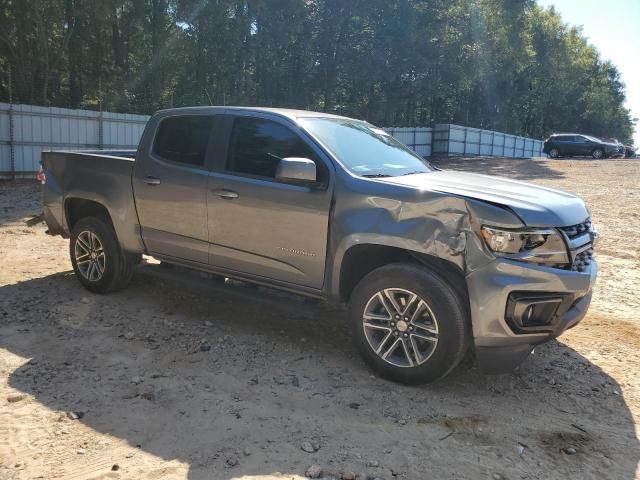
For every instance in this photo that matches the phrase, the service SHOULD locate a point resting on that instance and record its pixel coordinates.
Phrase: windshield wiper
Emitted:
(375, 175)
(414, 173)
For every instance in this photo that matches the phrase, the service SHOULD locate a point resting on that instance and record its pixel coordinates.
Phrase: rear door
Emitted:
(262, 227)
(564, 144)
(170, 185)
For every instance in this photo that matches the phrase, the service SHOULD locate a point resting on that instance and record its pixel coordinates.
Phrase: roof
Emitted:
(283, 112)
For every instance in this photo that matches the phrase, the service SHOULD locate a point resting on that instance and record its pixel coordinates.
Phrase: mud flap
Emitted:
(36, 219)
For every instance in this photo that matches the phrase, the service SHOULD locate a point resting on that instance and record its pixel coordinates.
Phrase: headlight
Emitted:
(545, 246)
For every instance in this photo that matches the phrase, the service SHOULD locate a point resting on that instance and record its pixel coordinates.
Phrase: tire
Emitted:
(98, 261)
(554, 153)
(598, 154)
(429, 340)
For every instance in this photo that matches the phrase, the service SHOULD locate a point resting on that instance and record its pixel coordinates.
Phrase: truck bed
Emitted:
(100, 176)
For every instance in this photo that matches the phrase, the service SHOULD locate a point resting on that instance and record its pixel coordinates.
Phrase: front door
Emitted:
(170, 186)
(583, 145)
(262, 227)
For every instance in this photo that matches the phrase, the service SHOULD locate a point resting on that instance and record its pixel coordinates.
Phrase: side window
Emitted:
(184, 139)
(257, 145)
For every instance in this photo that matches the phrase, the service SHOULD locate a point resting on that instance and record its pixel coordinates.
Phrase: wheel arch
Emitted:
(77, 208)
(363, 258)
(127, 230)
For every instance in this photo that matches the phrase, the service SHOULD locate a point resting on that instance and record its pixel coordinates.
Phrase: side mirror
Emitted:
(296, 170)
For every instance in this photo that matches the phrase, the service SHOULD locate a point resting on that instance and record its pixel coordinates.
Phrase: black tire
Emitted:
(117, 268)
(554, 153)
(598, 153)
(444, 303)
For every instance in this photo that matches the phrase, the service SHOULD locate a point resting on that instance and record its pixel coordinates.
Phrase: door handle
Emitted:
(226, 194)
(152, 181)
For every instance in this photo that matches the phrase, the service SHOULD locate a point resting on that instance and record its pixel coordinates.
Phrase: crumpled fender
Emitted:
(441, 225)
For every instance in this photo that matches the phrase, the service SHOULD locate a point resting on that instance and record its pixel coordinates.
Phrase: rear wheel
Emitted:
(98, 261)
(597, 153)
(554, 153)
(408, 323)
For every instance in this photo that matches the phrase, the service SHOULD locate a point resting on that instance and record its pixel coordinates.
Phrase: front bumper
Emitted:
(499, 346)
(616, 151)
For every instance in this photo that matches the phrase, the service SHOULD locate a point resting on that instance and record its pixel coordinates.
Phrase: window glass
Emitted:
(184, 139)
(257, 145)
(364, 149)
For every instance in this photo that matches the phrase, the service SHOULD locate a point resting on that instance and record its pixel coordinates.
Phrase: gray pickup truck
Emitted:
(431, 263)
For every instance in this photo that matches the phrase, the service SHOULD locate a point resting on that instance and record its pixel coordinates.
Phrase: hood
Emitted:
(535, 205)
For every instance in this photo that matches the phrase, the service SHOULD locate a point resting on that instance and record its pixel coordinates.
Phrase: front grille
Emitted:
(582, 260)
(582, 254)
(574, 230)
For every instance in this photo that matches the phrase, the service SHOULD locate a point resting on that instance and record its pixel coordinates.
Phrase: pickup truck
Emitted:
(432, 264)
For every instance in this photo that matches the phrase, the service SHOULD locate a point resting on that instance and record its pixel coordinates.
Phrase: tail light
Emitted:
(41, 176)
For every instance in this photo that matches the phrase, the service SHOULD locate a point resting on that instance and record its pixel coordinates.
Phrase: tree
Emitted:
(507, 65)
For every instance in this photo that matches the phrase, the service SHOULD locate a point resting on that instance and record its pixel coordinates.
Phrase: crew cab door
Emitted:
(257, 225)
(170, 185)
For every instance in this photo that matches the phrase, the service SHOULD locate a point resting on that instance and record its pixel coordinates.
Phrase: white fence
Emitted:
(25, 131)
(418, 139)
(456, 140)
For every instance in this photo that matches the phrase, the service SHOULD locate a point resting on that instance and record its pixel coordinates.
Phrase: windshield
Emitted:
(364, 149)
(593, 139)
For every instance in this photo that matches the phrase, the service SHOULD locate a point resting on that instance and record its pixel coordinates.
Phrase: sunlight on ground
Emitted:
(12, 361)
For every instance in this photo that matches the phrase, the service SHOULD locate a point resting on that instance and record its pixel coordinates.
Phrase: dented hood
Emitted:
(535, 205)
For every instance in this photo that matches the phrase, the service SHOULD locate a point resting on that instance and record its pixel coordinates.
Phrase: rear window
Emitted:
(184, 139)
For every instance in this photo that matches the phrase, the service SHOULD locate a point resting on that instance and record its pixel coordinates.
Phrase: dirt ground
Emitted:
(191, 379)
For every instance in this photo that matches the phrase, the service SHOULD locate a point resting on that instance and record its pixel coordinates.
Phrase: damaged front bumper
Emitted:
(516, 306)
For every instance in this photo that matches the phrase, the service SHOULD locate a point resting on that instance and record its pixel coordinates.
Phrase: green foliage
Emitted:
(507, 65)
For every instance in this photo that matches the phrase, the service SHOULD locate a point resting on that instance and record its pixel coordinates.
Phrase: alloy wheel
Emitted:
(400, 327)
(89, 255)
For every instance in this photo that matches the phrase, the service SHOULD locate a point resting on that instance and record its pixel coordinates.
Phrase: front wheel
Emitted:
(98, 261)
(554, 153)
(598, 153)
(408, 323)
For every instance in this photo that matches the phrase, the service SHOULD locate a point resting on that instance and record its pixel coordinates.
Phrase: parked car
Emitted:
(430, 263)
(573, 144)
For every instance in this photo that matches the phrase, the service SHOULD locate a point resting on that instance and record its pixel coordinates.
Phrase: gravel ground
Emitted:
(189, 379)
